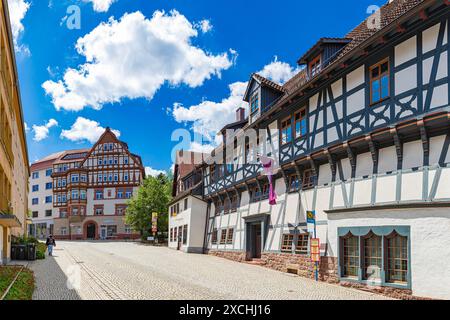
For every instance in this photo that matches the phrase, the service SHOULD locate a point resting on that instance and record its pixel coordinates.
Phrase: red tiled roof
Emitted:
(388, 13)
(268, 82)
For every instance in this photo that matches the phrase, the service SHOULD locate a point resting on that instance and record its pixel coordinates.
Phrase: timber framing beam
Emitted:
(398, 147)
(425, 142)
(332, 162)
(374, 152)
(352, 157)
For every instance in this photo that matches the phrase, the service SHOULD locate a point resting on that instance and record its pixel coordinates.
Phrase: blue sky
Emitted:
(146, 70)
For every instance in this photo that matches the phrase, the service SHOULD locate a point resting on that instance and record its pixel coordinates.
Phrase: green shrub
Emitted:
(40, 250)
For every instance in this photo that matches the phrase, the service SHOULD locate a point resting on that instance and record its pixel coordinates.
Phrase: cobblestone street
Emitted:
(121, 270)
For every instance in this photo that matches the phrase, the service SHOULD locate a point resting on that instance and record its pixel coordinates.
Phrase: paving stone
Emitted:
(131, 271)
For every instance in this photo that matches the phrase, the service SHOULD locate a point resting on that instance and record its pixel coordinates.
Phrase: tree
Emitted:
(153, 196)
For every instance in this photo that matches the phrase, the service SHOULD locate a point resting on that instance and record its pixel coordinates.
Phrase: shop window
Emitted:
(397, 259)
(372, 257)
(350, 256)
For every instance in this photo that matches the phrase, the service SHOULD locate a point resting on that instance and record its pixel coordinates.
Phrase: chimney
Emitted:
(240, 114)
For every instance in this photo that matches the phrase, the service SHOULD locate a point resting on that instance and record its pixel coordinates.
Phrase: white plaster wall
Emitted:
(436, 144)
(387, 160)
(325, 174)
(443, 190)
(362, 192)
(338, 197)
(364, 165)
(412, 154)
(355, 78)
(430, 243)
(412, 186)
(356, 101)
(386, 189)
(406, 51)
(406, 79)
(430, 37)
(336, 88)
(313, 102)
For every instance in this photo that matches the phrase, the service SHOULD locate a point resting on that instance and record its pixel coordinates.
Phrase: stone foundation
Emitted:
(302, 266)
(230, 255)
(396, 293)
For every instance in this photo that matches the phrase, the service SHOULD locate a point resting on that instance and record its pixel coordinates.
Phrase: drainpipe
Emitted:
(205, 237)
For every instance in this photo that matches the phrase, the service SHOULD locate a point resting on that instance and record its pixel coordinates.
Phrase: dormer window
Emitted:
(254, 103)
(315, 66)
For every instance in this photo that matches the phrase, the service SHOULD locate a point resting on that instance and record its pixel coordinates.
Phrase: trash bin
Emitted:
(31, 252)
(14, 252)
(21, 252)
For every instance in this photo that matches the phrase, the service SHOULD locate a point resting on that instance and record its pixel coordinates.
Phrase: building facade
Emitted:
(40, 198)
(361, 137)
(187, 210)
(14, 169)
(89, 189)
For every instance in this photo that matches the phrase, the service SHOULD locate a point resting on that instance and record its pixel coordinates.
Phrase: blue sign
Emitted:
(311, 217)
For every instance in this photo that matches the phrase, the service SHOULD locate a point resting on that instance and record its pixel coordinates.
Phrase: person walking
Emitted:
(50, 245)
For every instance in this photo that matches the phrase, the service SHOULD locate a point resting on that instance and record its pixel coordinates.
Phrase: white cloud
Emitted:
(27, 128)
(202, 148)
(278, 71)
(85, 129)
(153, 172)
(17, 11)
(208, 117)
(205, 26)
(101, 5)
(41, 132)
(133, 58)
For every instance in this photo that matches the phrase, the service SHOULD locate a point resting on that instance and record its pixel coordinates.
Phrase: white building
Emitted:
(40, 197)
(362, 137)
(187, 210)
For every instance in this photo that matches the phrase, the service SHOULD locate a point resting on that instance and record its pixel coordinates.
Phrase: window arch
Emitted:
(396, 258)
(350, 256)
(372, 256)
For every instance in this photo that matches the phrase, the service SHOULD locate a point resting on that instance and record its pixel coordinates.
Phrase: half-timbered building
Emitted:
(91, 188)
(361, 136)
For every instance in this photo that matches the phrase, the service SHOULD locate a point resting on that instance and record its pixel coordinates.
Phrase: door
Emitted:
(256, 240)
(103, 233)
(91, 231)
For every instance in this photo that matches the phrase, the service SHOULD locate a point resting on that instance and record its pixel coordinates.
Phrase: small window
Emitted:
(286, 131)
(230, 235)
(294, 183)
(214, 236)
(99, 211)
(48, 213)
(35, 214)
(185, 204)
(185, 234)
(315, 66)
(48, 172)
(35, 175)
(302, 244)
(212, 173)
(254, 103)
(48, 185)
(35, 188)
(300, 123)
(48, 199)
(223, 236)
(379, 81)
(288, 240)
(308, 179)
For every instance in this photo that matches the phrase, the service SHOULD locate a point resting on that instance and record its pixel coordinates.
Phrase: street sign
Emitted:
(311, 217)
